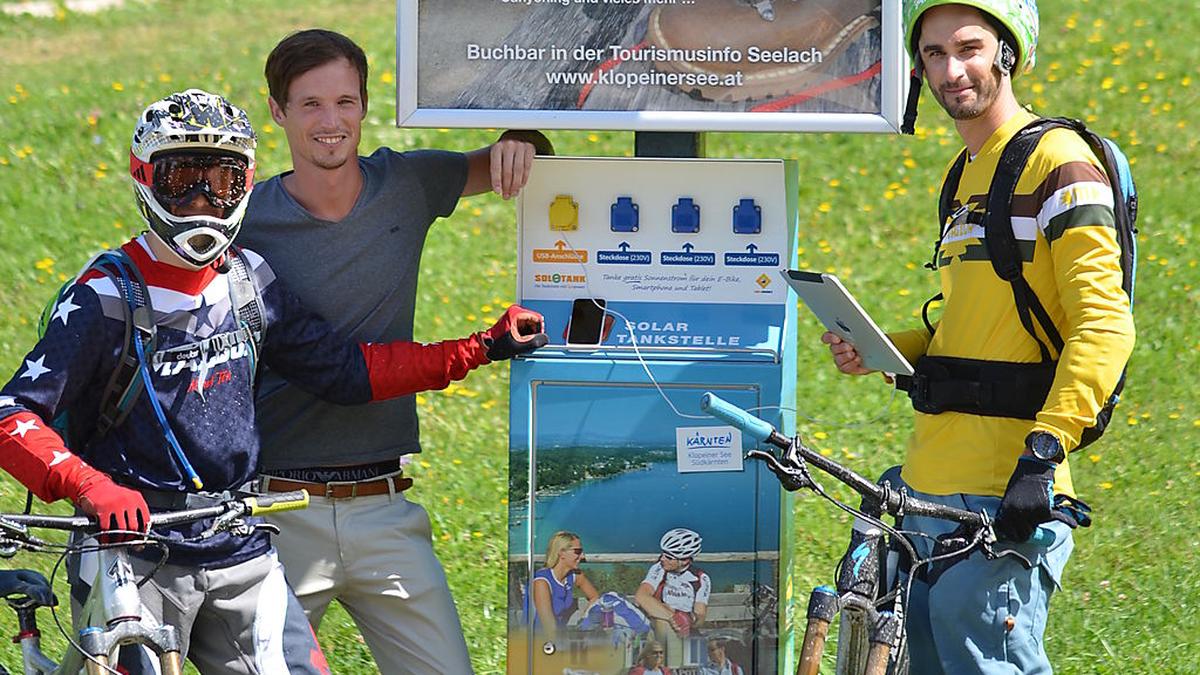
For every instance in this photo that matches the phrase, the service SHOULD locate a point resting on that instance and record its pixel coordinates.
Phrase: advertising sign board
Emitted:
(651, 65)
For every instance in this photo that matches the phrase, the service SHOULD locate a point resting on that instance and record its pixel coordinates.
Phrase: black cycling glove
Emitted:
(1028, 499)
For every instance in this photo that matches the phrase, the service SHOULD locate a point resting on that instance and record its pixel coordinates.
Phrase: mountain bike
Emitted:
(871, 593)
(113, 612)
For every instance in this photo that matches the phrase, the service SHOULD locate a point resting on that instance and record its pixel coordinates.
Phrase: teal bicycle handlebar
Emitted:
(763, 432)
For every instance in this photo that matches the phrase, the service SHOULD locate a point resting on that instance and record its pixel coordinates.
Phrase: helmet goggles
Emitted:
(176, 178)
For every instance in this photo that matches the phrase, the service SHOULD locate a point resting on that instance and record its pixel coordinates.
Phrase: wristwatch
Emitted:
(1045, 446)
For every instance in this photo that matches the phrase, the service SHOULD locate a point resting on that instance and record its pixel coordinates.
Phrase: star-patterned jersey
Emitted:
(204, 388)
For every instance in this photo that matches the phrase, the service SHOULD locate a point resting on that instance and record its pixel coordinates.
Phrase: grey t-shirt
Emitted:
(361, 275)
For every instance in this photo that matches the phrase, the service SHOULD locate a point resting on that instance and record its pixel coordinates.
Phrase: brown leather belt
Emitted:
(340, 489)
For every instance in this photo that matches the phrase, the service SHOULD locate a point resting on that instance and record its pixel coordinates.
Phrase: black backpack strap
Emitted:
(1000, 239)
(124, 386)
(950, 188)
(946, 204)
(247, 302)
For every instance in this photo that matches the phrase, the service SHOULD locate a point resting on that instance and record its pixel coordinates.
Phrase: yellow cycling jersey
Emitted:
(1062, 216)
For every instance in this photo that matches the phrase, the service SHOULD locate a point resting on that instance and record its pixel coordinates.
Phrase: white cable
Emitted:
(646, 366)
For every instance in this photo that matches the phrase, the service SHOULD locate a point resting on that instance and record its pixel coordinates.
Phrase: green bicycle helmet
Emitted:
(1019, 18)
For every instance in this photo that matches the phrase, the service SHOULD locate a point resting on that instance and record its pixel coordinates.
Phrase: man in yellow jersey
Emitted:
(979, 615)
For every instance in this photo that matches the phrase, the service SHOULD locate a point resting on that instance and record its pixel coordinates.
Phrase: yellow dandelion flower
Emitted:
(421, 400)
(477, 212)
(44, 264)
(98, 174)
(3, 161)
(833, 182)
(820, 435)
(456, 460)
(910, 163)
(825, 452)
(1106, 485)
(164, 77)
(1094, 458)
(425, 465)
(593, 138)
(117, 86)
(903, 292)
(889, 195)
(12, 100)
(1133, 421)
(267, 128)
(387, 77)
(1106, 83)
(477, 534)
(825, 207)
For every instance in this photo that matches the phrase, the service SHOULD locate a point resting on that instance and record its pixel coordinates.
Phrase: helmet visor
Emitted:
(179, 176)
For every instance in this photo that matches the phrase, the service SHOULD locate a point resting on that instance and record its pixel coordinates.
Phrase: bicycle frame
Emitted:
(113, 614)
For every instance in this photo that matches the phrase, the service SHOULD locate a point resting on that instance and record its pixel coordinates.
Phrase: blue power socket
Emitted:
(624, 215)
(747, 217)
(685, 216)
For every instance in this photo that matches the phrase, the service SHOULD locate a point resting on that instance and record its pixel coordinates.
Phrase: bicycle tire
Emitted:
(854, 642)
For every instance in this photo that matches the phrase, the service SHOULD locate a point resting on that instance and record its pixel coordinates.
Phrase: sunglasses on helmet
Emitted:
(177, 177)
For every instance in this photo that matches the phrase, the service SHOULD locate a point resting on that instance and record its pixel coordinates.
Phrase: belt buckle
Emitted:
(329, 486)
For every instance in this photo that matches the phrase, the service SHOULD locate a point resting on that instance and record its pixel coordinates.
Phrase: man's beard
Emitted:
(985, 94)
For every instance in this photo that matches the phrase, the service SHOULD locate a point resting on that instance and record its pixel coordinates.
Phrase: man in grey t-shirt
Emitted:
(345, 233)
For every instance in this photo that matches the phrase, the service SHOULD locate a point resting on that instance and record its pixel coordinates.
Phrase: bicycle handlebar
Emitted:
(253, 505)
(787, 469)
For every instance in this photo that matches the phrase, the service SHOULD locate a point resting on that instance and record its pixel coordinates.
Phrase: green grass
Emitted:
(70, 88)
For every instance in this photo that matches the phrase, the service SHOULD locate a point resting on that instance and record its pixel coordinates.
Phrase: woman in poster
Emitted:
(553, 587)
(651, 660)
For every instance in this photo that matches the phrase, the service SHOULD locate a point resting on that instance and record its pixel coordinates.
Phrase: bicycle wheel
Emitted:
(854, 645)
(853, 642)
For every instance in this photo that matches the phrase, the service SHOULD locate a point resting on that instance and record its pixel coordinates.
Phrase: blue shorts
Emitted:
(980, 615)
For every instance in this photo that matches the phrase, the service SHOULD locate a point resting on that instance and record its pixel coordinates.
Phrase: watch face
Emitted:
(1045, 446)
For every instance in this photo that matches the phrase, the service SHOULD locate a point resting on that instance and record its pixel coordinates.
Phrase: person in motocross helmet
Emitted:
(190, 435)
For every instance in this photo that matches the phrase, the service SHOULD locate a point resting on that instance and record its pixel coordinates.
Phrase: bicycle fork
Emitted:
(121, 609)
(868, 636)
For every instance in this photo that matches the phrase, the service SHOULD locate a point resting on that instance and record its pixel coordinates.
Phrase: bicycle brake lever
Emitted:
(267, 527)
(791, 478)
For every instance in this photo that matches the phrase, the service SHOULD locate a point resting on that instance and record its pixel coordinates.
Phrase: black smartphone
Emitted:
(586, 325)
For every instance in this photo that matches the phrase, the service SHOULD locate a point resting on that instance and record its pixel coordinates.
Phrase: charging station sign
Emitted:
(653, 239)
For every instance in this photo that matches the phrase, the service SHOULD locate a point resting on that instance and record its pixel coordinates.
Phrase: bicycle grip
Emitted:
(276, 503)
(731, 414)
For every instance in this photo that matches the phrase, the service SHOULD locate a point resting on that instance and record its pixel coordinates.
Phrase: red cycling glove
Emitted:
(116, 507)
(519, 331)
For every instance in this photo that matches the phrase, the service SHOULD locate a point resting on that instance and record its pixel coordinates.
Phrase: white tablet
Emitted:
(844, 317)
